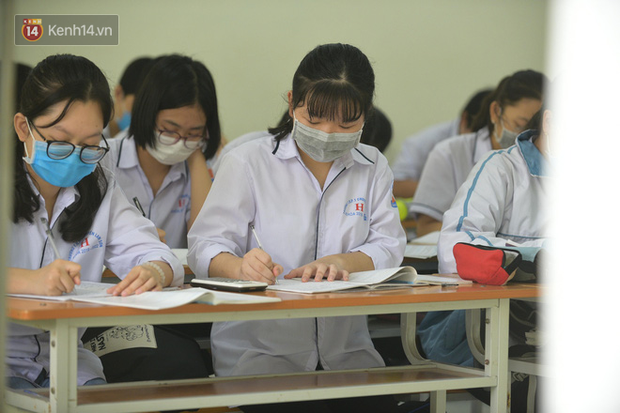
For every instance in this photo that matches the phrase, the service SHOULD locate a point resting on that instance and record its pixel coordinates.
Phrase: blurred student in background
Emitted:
(504, 114)
(124, 95)
(174, 129)
(415, 149)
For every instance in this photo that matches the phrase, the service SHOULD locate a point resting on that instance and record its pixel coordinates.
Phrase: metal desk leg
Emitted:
(63, 366)
(496, 355)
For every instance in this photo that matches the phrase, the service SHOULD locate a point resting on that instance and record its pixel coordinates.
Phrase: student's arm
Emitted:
(256, 265)
(144, 277)
(131, 241)
(426, 225)
(405, 189)
(200, 184)
(333, 267)
(60, 276)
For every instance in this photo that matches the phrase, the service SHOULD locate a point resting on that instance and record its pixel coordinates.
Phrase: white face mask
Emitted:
(508, 137)
(168, 152)
(322, 146)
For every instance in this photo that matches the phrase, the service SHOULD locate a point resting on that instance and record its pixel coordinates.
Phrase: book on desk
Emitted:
(93, 292)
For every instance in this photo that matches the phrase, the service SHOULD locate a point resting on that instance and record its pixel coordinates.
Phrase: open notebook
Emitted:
(376, 279)
(92, 292)
(423, 247)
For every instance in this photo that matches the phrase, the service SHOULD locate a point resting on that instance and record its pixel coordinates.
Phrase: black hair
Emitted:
(510, 90)
(55, 79)
(473, 106)
(174, 81)
(377, 130)
(133, 75)
(332, 80)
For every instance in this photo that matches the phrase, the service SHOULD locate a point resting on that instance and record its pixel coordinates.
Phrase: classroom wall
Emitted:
(429, 55)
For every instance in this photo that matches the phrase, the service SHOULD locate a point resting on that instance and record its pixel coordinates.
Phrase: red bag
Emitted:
(486, 265)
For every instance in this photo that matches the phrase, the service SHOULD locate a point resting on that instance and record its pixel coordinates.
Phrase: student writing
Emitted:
(322, 206)
(65, 105)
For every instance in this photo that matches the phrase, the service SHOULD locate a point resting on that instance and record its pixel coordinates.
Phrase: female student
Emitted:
(65, 105)
(501, 204)
(322, 206)
(162, 161)
(504, 114)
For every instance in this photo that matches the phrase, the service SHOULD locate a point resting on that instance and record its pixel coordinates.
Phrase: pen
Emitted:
(258, 242)
(138, 205)
(48, 231)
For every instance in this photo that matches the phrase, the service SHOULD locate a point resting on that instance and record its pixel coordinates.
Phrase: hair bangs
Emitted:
(335, 101)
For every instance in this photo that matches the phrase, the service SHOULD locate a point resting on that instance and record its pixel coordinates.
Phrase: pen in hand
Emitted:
(50, 237)
(259, 244)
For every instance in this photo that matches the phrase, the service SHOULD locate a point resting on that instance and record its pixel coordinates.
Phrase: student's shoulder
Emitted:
(369, 155)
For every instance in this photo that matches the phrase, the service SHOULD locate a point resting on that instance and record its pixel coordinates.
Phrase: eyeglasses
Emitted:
(177, 137)
(89, 154)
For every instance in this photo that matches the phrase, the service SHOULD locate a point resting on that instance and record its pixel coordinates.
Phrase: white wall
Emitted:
(429, 55)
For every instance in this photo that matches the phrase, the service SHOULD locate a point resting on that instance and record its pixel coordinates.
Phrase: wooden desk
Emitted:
(63, 320)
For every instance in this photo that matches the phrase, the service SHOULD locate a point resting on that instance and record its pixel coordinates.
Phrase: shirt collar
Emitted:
(536, 162)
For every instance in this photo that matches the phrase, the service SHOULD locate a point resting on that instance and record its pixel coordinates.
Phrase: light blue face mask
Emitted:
(124, 121)
(58, 172)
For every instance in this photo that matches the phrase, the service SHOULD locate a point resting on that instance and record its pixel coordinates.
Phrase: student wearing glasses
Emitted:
(174, 129)
(59, 185)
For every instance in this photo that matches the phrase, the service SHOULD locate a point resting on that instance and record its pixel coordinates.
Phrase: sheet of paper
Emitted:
(420, 251)
(432, 238)
(311, 287)
(86, 289)
(437, 279)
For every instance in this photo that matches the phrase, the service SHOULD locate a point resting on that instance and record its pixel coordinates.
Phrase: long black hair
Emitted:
(61, 78)
(174, 81)
(332, 80)
(510, 90)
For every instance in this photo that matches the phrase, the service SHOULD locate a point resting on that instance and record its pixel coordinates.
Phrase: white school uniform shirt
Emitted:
(416, 148)
(235, 143)
(502, 203)
(445, 171)
(169, 209)
(266, 184)
(119, 238)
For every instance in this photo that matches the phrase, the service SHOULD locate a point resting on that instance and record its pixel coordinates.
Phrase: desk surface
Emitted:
(29, 309)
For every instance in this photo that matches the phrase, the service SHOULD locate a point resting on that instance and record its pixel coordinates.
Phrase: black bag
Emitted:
(165, 353)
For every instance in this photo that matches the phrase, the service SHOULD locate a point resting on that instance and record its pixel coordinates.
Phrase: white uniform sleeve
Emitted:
(386, 238)
(437, 185)
(478, 210)
(132, 239)
(232, 190)
(410, 161)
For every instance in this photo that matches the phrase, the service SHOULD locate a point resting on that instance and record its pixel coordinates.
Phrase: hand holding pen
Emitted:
(263, 269)
(60, 276)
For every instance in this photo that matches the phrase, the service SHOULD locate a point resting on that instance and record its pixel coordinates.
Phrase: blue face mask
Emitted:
(58, 172)
(124, 121)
